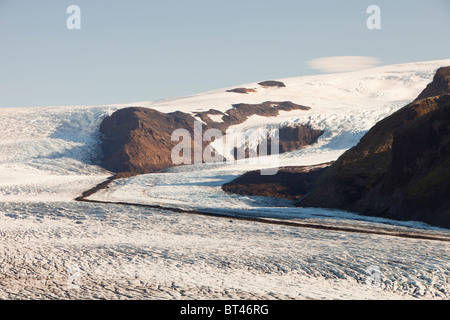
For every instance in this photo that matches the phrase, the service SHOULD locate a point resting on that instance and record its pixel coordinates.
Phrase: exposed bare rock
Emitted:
(298, 136)
(242, 90)
(440, 84)
(288, 183)
(272, 83)
(240, 112)
(399, 170)
(138, 140)
(290, 138)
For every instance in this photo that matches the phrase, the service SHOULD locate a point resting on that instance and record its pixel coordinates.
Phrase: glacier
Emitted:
(50, 155)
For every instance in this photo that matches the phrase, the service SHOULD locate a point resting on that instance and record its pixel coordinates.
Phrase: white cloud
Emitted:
(343, 64)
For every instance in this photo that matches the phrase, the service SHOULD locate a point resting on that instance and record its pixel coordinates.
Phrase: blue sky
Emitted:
(140, 50)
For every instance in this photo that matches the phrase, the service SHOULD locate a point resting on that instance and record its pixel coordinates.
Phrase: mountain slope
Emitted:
(400, 169)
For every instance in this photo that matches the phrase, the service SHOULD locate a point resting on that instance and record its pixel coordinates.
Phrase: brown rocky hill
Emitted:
(400, 169)
(242, 90)
(288, 183)
(138, 140)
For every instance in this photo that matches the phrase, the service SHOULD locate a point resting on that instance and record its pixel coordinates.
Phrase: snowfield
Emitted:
(127, 252)
(53, 247)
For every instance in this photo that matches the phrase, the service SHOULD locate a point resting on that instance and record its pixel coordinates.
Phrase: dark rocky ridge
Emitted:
(242, 111)
(296, 137)
(440, 84)
(138, 140)
(288, 183)
(399, 170)
(242, 90)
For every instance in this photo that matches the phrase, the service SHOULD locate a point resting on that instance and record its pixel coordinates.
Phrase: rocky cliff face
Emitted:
(401, 167)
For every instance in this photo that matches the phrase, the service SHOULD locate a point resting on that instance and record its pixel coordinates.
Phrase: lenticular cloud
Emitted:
(343, 64)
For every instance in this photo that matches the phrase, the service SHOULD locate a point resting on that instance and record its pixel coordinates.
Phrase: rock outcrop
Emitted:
(242, 111)
(138, 140)
(242, 90)
(296, 137)
(440, 84)
(272, 83)
(288, 183)
(400, 169)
